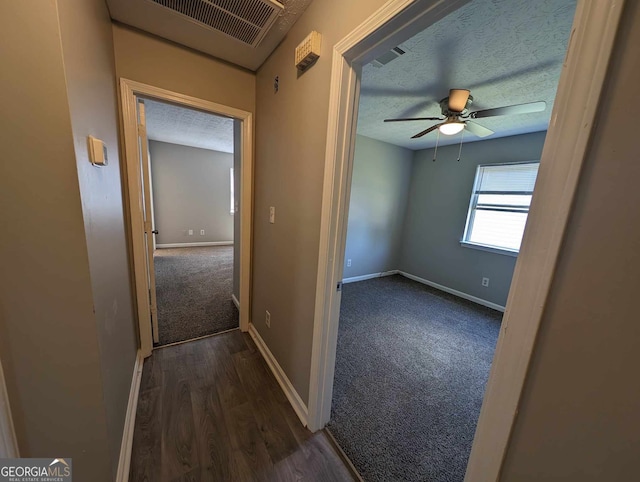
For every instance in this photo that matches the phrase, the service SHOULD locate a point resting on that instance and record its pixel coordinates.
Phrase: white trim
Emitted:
(8, 439)
(182, 342)
(287, 387)
(459, 294)
(489, 249)
(364, 277)
(581, 81)
(129, 91)
(235, 301)
(194, 245)
(446, 289)
(130, 421)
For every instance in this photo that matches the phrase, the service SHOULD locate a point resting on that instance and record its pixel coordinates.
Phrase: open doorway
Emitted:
(191, 186)
(190, 213)
(581, 80)
(434, 229)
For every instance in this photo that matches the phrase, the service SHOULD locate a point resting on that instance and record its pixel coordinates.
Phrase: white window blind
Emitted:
(500, 205)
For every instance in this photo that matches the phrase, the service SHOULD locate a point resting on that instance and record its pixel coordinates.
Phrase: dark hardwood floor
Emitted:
(210, 410)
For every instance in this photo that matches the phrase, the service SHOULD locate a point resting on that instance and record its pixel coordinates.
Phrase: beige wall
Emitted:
(290, 147)
(87, 45)
(579, 416)
(161, 63)
(49, 341)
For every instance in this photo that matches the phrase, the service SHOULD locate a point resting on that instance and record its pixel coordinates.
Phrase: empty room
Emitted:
(451, 128)
(191, 167)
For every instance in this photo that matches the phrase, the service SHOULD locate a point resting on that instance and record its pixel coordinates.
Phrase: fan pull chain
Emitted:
(460, 151)
(436, 149)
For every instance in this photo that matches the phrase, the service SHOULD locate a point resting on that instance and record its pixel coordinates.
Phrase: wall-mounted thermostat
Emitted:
(97, 152)
(308, 51)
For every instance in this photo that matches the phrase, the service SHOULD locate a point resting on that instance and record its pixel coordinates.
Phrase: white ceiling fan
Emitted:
(456, 114)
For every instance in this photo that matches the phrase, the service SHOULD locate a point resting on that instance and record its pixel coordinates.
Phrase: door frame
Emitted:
(129, 91)
(581, 81)
(8, 439)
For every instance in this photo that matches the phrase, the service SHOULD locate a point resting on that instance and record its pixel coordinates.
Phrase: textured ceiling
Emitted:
(505, 51)
(188, 127)
(153, 18)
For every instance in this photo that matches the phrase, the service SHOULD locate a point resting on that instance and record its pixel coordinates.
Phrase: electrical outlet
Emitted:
(267, 319)
(202, 232)
(190, 232)
(272, 214)
(485, 282)
(349, 263)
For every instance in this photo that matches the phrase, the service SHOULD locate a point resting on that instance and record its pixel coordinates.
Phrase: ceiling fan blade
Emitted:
(426, 131)
(510, 110)
(413, 119)
(458, 99)
(477, 129)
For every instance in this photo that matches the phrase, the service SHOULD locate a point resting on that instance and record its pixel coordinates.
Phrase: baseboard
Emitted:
(292, 395)
(194, 245)
(363, 277)
(235, 301)
(130, 421)
(446, 289)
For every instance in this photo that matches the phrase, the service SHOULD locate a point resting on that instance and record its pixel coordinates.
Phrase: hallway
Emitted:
(211, 410)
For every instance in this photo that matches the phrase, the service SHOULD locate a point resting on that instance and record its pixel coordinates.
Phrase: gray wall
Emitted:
(381, 174)
(191, 190)
(67, 342)
(578, 418)
(437, 211)
(87, 44)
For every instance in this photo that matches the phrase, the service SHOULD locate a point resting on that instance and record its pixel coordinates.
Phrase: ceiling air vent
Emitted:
(392, 54)
(245, 20)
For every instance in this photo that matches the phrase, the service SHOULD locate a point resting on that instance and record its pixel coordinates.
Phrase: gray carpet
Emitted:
(411, 368)
(193, 289)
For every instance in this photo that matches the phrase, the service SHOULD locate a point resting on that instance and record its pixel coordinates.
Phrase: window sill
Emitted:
(490, 249)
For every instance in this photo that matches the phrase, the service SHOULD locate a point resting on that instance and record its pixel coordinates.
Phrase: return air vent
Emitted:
(392, 54)
(244, 20)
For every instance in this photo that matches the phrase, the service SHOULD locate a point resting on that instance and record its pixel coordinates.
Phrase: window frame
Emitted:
(473, 202)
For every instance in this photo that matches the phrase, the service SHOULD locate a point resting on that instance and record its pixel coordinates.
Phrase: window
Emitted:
(499, 206)
(232, 209)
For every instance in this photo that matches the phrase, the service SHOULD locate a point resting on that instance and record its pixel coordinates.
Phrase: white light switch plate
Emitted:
(272, 214)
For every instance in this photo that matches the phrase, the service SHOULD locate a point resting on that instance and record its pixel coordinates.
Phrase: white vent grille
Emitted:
(244, 20)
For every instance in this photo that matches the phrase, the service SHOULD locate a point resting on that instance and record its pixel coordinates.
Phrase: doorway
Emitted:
(422, 300)
(193, 221)
(147, 241)
(581, 81)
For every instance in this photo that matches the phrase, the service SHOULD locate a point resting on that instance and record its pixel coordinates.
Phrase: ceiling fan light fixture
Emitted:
(451, 128)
